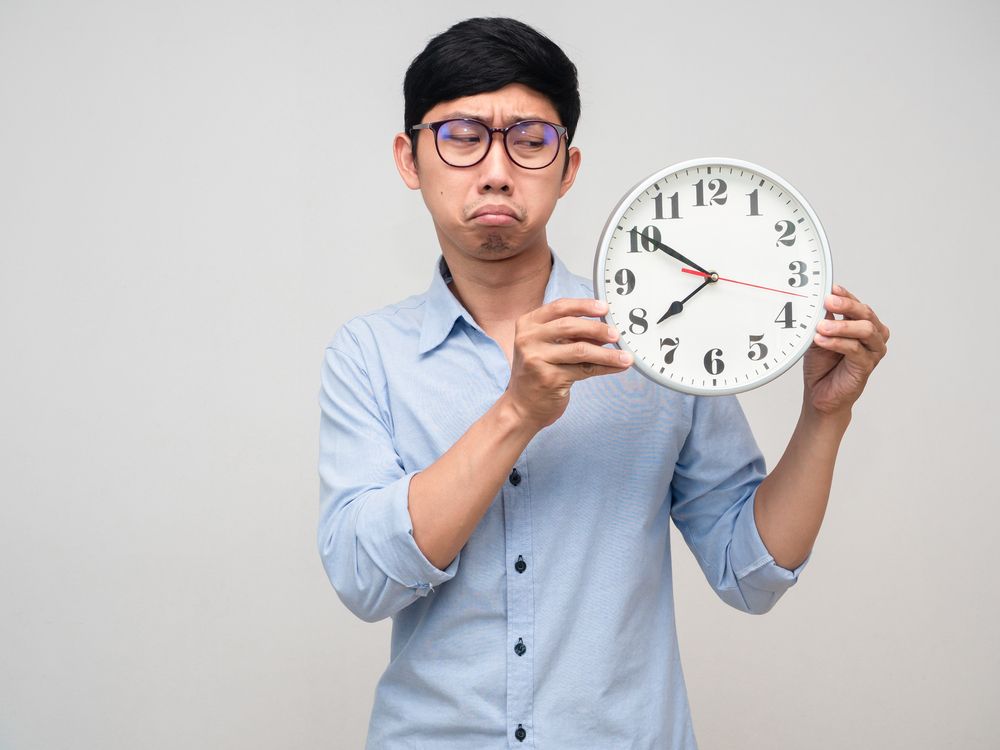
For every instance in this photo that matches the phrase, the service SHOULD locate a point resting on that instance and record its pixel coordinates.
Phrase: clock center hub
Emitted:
(713, 277)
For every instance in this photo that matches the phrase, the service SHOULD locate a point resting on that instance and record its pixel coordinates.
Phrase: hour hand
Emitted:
(673, 253)
(676, 307)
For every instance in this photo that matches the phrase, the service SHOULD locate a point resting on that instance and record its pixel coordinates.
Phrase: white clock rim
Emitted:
(600, 261)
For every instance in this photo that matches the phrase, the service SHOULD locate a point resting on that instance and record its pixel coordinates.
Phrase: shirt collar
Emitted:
(443, 309)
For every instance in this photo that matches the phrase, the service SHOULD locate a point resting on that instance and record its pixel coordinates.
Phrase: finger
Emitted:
(852, 308)
(582, 352)
(567, 307)
(864, 331)
(577, 329)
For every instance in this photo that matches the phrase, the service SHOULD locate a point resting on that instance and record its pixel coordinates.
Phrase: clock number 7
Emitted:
(668, 358)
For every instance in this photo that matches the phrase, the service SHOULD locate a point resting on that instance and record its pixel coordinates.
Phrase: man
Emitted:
(498, 481)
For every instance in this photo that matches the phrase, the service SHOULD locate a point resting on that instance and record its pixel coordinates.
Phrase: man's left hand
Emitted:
(843, 354)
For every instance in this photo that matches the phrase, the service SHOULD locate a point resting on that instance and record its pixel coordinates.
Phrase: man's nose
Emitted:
(497, 168)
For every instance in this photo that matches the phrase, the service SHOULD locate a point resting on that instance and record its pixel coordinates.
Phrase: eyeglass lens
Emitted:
(533, 145)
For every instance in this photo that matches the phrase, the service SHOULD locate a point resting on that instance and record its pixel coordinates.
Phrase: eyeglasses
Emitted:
(532, 144)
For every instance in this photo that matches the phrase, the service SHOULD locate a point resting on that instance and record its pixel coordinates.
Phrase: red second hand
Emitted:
(734, 281)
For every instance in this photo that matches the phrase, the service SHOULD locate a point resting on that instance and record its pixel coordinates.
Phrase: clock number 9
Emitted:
(798, 268)
(760, 351)
(713, 364)
(668, 358)
(647, 234)
(627, 280)
(638, 318)
(788, 228)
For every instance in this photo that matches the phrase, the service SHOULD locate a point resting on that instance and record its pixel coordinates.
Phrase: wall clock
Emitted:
(715, 272)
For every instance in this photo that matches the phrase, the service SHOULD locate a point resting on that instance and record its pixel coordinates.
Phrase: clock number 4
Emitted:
(720, 197)
(647, 234)
(785, 316)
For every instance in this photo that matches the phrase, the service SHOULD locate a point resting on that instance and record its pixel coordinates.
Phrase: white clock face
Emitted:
(715, 272)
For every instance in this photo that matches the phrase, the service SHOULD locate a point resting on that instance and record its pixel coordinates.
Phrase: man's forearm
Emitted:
(449, 498)
(791, 501)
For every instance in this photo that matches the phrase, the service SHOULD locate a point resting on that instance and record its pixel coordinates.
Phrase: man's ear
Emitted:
(569, 173)
(402, 150)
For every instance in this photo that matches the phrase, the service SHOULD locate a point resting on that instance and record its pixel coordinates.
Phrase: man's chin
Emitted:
(495, 245)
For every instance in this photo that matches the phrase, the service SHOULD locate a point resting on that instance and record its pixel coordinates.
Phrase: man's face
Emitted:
(495, 209)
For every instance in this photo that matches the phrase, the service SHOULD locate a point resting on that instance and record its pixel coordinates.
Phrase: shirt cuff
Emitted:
(385, 530)
(751, 562)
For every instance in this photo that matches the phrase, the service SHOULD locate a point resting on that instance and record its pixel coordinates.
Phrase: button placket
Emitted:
(520, 601)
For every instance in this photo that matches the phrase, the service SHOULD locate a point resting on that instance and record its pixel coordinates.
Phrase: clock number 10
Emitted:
(647, 234)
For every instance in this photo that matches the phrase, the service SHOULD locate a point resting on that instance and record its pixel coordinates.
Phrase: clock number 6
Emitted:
(713, 364)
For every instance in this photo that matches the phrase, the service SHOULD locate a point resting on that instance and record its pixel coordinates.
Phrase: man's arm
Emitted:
(553, 348)
(791, 501)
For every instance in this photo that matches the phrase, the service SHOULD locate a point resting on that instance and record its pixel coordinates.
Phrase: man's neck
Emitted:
(497, 292)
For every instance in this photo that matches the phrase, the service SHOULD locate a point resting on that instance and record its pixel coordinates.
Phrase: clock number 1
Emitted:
(674, 208)
(754, 210)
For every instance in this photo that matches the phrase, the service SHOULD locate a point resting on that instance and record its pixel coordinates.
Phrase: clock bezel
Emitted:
(600, 261)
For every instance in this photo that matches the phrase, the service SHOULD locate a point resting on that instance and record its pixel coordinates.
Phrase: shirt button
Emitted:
(520, 734)
(519, 647)
(520, 566)
(515, 478)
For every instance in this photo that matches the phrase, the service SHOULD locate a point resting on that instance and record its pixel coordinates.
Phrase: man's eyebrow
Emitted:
(479, 118)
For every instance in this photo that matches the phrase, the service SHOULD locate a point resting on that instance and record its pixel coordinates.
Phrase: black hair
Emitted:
(481, 55)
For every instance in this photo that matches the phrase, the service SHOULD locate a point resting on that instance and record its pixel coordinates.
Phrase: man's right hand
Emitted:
(555, 346)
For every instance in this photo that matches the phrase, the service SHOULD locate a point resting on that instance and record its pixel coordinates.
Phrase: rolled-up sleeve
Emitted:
(713, 490)
(365, 533)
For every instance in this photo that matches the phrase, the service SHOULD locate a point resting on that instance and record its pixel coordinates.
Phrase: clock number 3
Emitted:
(798, 268)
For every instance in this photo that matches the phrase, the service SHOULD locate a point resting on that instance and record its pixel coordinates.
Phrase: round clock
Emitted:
(715, 272)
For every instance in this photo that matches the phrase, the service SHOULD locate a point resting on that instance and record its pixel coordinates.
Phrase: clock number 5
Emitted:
(760, 351)
(713, 364)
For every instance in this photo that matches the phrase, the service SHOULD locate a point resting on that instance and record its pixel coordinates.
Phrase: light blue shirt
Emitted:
(557, 617)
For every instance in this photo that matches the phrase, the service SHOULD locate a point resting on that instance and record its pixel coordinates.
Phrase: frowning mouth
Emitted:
(495, 214)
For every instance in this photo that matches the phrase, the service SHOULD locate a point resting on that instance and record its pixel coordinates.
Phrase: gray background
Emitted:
(195, 195)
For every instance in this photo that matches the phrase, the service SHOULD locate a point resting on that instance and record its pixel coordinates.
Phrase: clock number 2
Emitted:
(788, 229)
(668, 358)
(713, 363)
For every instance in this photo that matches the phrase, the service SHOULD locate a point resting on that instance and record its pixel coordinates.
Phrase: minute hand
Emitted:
(670, 251)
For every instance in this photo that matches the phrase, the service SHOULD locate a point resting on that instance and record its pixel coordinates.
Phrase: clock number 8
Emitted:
(713, 364)
(638, 325)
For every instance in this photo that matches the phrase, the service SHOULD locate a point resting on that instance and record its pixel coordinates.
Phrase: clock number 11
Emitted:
(674, 208)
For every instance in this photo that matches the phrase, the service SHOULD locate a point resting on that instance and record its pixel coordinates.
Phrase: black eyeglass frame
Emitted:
(436, 126)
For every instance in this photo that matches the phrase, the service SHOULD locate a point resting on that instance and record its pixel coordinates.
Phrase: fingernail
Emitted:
(826, 326)
(625, 357)
(836, 302)
(612, 333)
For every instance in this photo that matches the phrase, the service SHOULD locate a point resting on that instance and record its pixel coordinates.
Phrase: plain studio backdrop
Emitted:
(194, 196)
